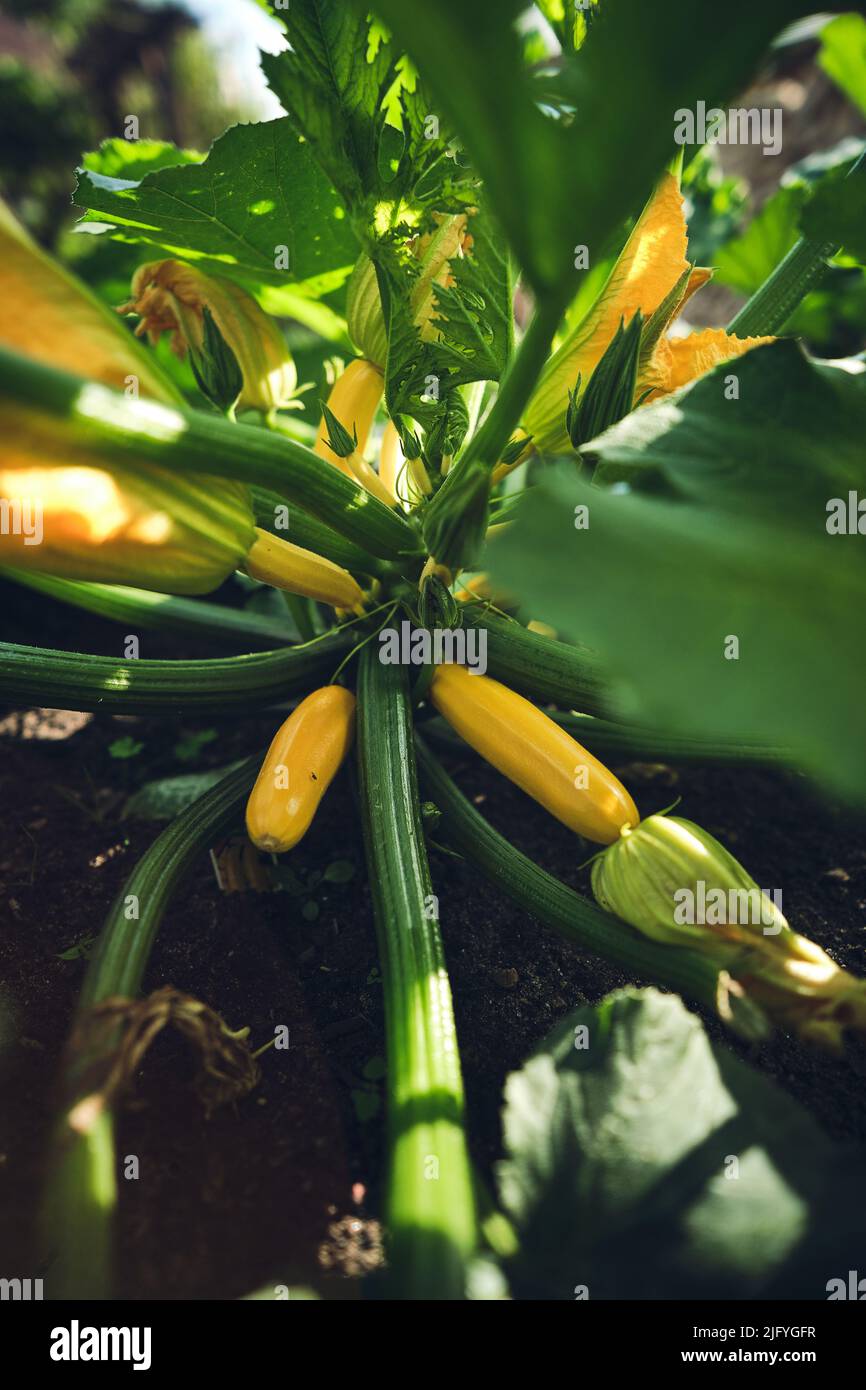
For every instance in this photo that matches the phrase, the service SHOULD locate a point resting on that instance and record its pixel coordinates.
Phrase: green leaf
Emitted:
(165, 797)
(643, 1161)
(332, 82)
(125, 747)
(339, 871)
(258, 190)
(659, 585)
(550, 180)
(189, 746)
(374, 1069)
(747, 260)
(836, 212)
(82, 950)
(132, 159)
(363, 110)
(843, 56)
(789, 441)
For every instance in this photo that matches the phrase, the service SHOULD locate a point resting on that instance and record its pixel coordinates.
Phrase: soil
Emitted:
(284, 1185)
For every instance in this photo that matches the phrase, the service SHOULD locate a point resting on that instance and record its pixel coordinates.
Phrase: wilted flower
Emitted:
(676, 883)
(171, 297)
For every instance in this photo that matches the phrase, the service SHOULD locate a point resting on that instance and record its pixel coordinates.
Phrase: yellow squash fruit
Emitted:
(300, 765)
(354, 399)
(534, 752)
(287, 566)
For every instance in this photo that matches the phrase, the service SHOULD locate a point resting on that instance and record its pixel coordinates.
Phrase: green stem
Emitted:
(300, 612)
(430, 1202)
(306, 531)
(119, 960)
(144, 609)
(772, 305)
(515, 389)
(572, 916)
(538, 666)
(800, 271)
(81, 1194)
(217, 685)
(82, 421)
(603, 736)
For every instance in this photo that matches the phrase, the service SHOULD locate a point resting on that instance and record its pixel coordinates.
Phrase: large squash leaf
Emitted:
(258, 190)
(643, 1161)
(736, 546)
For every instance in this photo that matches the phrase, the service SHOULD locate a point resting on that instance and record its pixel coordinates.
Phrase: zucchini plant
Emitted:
(507, 407)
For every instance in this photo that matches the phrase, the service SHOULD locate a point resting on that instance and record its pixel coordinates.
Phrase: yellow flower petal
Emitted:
(651, 263)
(701, 275)
(47, 314)
(678, 361)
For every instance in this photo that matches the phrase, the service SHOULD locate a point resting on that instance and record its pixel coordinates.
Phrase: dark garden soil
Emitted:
(284, 1185)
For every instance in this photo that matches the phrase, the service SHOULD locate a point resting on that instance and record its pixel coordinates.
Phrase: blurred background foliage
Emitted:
(72, 71)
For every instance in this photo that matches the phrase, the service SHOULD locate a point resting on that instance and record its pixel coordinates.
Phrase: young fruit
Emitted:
(300, 765)
(353, 400)
(530, 749)
(345, 426)
(286, 566)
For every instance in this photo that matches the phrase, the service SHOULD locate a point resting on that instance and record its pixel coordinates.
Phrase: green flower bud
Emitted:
(215, 367)
(609, 393)
(437, 608)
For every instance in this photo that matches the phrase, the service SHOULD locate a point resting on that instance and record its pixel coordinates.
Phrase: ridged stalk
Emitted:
(90, 422)
(216, 685)
(145, 610)
(539, 666)
(774, 302)
(800, 271)
(572, 916)
(81, 1195)
(604, 736)
(306, 531)
(430, 1206)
